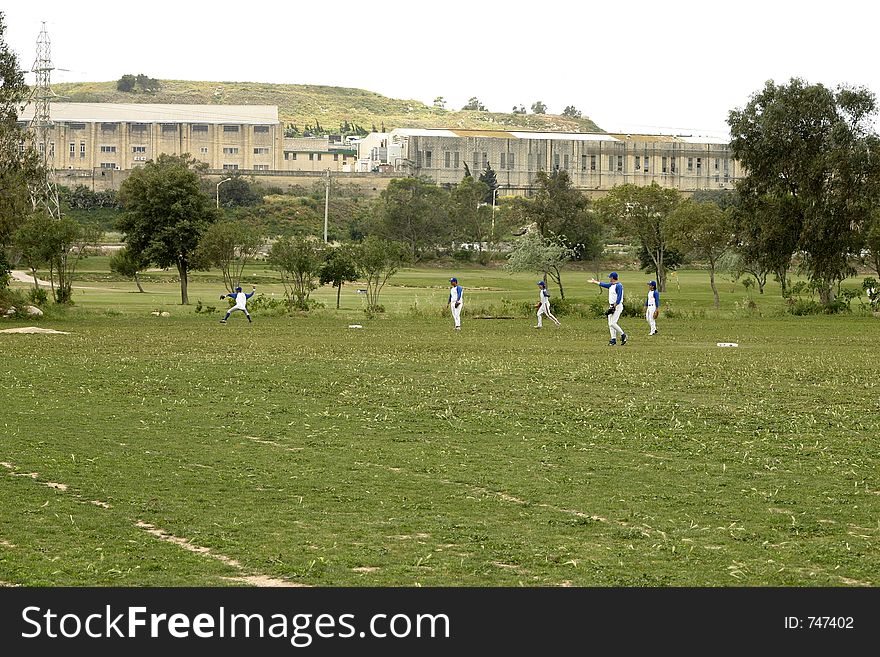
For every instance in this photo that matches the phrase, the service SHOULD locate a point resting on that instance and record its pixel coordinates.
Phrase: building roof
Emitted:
(562, 136)
(158, 113)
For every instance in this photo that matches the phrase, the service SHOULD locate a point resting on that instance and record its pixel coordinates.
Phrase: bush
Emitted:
(38, 296)
(804, 307)
(462, 256)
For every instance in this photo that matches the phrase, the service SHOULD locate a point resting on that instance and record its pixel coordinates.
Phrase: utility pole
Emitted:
(326, 204)
(44, 193)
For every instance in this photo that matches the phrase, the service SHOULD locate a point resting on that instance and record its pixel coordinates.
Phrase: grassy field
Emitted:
(142, 450)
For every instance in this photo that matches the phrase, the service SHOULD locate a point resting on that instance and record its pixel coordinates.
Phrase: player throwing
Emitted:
(240, 303)
(543, 304)
(615, 303)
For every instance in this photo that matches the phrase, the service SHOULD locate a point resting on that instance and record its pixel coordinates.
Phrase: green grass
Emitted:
(404, 453)
(303, 104)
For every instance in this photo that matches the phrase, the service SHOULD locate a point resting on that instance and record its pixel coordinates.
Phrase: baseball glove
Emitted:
(610, 310)
(656, 314)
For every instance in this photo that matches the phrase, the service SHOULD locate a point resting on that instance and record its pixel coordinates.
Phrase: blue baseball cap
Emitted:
(541, 283)
(453, 280)
(238, 289)
(613, 275)
(652, 283)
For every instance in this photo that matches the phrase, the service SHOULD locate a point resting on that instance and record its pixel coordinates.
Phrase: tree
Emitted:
(519, 110)
(815, 152)
(166, 214)
(339, 267)
(228, 245)
(377, 260)
(572, 112)
(471, 218)
(539, 108)
(641, 214)
(558, 209)
(299, 261)
(125, 263)
(238, 192)
(126, 83)
(440, 102)
(414, 211)
(475, 104)
(17, 169)
(704, 230)
(32, 242)
(872, 241)
(489, 179)
(542, 255)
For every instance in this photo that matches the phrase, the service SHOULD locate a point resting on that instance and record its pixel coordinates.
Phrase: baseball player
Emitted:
(615, 303)
(240, 303)
(455, 301)
(652, 306)
(543, 304)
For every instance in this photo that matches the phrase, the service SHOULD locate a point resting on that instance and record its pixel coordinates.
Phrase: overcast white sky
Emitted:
(673, 66)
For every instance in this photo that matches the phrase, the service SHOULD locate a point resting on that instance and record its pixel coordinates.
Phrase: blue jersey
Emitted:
(615, 292)
(455, 294)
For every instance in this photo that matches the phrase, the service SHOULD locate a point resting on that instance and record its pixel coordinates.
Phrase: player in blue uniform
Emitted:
(615, 309)
(455, 301)
(652, 307)
(240, 303)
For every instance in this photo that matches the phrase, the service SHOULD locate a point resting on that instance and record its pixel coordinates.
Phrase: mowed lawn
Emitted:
(141, 450)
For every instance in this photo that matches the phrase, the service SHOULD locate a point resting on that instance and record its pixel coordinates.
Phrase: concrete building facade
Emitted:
(595, 162)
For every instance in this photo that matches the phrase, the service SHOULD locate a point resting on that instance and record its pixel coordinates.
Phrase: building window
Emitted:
(455, 160)
(448, 159)
(289, 156)
(646, 163)
(82, 149)
(230, 128)
(336, 157)
(72, 149)
(137, 127)
(199, 127)
(311, 156)
(593, 163)
(485, 161)
(51, 149)
(555, 160)
(108, 149)
(108, 165)
(320, 157)
(565, 162)
(511, 160)
(663, 165)
(261, 128)
(204, 150)
(611, 163)
(138, 149)
(503, 161)
(638, 163)
(717, 163)
(428, 156)
(42, 148)
(699, 165)
(230, 150)
(620, 163)
(690, 165)
(169, 127)
(583, 162)
(261, 167)
(260, 150)
(108, 127)
(230, 167)
(76, 126)
(671, 165)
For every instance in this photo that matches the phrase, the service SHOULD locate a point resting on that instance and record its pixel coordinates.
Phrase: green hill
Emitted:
(304, 104)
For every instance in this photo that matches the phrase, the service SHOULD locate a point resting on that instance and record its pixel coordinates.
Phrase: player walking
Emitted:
(240, 303)
(455, 301)
(615, 302)
(652, 307)
(543, 305)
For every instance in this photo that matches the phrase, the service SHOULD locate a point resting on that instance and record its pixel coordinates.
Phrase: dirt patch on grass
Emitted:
(366, 569)
(34, 329)
(246, 578)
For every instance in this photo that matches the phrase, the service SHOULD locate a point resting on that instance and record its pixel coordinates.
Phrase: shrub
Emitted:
(38, 296)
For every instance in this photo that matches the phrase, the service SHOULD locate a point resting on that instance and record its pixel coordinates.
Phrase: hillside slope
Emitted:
(304, 104)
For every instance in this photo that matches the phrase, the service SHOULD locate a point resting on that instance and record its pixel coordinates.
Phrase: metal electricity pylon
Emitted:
(44, 193)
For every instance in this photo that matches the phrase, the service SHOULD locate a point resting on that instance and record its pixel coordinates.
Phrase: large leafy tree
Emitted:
(704, 231)
(166, 214)
(815, 151)
(490, 179)
(872, 241)
(378, 260)
(413, 211)
(17, 168)
(642, 214)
